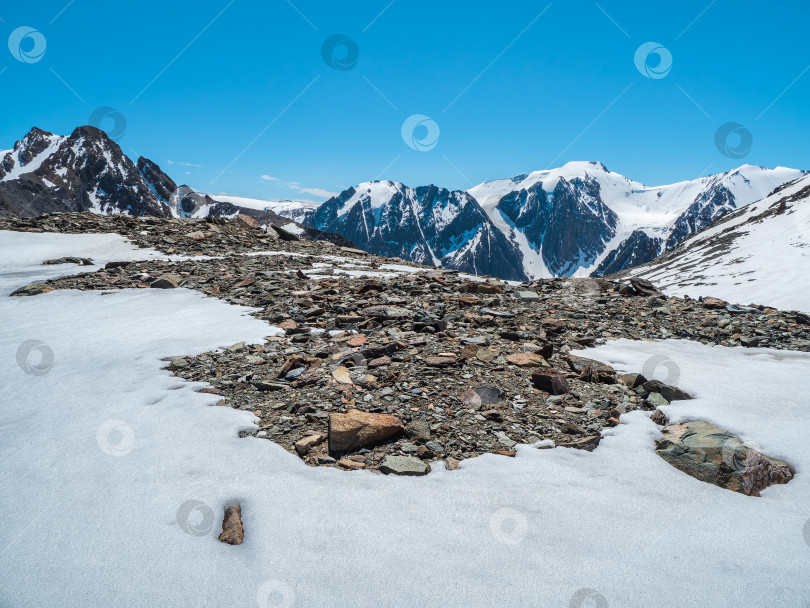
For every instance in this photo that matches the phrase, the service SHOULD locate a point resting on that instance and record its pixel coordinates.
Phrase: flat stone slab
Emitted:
(404, 465)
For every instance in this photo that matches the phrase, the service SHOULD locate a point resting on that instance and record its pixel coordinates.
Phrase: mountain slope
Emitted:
(611, 222)
(85, 171)
(757, 254)
(427, 225)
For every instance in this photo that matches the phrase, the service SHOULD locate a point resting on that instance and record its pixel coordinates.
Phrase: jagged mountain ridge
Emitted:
(87, 171)
(578, 220)
(427, 225)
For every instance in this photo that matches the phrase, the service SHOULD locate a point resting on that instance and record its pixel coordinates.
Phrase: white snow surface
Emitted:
(102, 454)
(288, 208)
(767, 262)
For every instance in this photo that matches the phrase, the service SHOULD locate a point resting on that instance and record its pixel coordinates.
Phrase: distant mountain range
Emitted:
(580, 219)
(87, 171)
(577, 220)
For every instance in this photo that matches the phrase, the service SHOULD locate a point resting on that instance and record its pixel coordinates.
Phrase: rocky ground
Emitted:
(389, 366)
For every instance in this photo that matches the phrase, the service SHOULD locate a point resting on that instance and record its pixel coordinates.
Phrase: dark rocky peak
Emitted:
(161, 184)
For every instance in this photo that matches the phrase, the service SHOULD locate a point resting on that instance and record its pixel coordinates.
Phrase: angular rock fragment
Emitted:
(713, 455)
(355, 429)
(552, 382)
(404, 465)
(232, 531)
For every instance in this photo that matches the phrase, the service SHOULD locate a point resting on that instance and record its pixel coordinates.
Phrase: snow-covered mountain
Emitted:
(295, 210)
(427, 225)
(87, 171)
(580, 219)
(84, 171)
(757, 254)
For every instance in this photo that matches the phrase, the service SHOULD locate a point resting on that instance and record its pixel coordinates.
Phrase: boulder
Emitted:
(670, 393)
(232, 531)
(632, 380)
(592, 370)
(713, 455)
(355, 429)
(167, 281)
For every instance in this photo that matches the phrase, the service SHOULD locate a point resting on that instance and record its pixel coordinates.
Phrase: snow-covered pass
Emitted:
(115, 475)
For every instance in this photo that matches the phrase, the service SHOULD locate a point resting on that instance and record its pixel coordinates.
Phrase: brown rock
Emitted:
(550, 381)
(439, 361)
(341, 375)
(246, 221)
(452, 463)
(355, 429)
(714, 303)
(351, 464)
(232, 531)
(527, 360)
(305, 444)
(659, 418)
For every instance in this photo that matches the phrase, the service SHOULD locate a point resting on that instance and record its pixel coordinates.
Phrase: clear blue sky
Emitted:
(221, 93)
